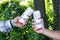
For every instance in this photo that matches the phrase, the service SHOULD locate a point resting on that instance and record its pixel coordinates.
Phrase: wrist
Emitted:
(12, 23)
(43, 31)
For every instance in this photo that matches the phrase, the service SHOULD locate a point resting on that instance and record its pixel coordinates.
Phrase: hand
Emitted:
(38, 30)
(17, 23)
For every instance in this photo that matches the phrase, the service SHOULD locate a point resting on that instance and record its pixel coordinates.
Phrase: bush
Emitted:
(10, 10)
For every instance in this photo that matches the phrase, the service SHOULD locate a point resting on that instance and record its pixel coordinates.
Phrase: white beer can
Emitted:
(25, 16)
(37, 19)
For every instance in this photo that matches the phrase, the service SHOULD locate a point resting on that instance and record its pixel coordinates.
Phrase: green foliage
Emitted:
(50, 14)
(11, 9)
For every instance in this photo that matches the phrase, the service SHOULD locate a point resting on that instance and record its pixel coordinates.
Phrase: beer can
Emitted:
(25, 16)
(37, 19)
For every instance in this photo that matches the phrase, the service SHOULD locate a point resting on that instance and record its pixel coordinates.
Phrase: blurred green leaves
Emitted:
(50, 13)
(10, 9)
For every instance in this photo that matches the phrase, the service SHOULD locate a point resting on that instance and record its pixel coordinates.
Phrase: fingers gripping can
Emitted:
(37, 19)
(25, 16)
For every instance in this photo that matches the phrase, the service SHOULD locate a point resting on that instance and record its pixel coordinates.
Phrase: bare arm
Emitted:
(46, 32)
(51, 34)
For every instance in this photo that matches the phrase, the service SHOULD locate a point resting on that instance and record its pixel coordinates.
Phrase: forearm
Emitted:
(56, 39)
(5, 26)
(52, 34)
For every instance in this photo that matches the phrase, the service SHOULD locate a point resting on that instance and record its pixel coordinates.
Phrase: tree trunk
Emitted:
(56, 10)
(59, 13)
(40, 5)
